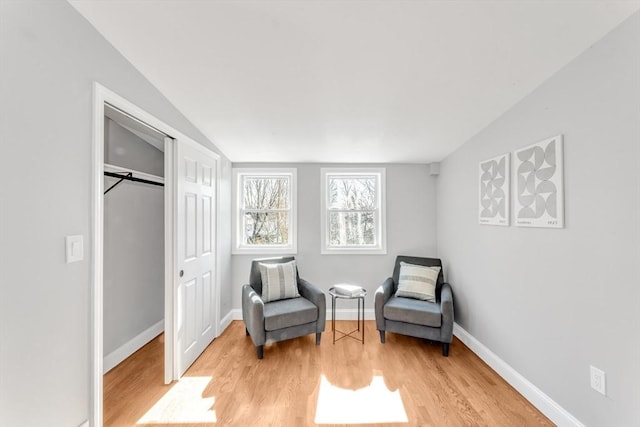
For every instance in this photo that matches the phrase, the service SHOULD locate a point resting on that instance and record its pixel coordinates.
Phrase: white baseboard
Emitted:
(556, 413)
(226, 321)
(114, 358)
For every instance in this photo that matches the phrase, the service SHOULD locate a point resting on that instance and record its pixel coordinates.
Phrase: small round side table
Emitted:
(359, 295)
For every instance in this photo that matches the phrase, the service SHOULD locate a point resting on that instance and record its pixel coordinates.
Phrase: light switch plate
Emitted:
(598, 380)
(75, 248)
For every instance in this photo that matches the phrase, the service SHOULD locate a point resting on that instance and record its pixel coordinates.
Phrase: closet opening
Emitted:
(133, 238)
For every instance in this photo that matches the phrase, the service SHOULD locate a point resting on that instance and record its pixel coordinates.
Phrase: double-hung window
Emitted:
(265, 217)
(353, 211)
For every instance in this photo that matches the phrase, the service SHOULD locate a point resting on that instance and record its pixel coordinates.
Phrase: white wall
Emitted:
(133, 288)
(50, 58)
(411, 230)
(551, 302)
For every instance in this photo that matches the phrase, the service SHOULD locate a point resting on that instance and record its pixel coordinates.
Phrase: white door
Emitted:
(196, 258)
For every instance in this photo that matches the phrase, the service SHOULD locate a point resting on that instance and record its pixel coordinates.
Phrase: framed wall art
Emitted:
(539, 197)
(494, 205)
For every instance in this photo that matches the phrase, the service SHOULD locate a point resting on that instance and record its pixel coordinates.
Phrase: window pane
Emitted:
(266, 193)
(266, 228)
(352, 193)
(352, 228)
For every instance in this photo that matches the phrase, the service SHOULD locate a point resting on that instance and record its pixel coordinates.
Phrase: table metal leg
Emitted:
(333, 317)
(362, 317)
(359, 320)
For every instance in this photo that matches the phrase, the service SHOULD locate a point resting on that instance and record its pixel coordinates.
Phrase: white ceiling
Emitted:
(348, 81)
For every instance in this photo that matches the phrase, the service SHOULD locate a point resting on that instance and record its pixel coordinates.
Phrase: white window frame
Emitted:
(380, 217)
(239, 174)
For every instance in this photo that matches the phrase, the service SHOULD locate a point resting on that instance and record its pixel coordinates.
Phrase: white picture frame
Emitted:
(539, 196)
(494, 191)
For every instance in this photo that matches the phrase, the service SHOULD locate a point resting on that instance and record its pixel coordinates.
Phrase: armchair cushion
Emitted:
(279, 281)
(409, 310)
(289, 312)
(417, 281)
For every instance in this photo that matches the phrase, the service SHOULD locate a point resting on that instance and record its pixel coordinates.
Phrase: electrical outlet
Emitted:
(598, 380)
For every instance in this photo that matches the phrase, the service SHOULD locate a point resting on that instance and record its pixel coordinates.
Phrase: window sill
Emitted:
(353, 251)
(279, 250)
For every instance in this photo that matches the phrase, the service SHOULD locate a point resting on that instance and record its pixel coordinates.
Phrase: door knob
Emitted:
(181, 273)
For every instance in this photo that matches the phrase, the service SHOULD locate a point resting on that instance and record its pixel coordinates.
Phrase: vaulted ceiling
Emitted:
(348, 81)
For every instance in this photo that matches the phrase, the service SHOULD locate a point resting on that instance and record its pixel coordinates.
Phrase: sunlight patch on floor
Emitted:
(374, 403)
(183, 404)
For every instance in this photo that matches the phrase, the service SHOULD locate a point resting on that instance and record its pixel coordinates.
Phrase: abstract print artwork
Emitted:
(539, 184)
(494, 191)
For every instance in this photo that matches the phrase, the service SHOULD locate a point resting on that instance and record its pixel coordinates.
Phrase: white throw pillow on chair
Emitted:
(417, 281)
(279, 281)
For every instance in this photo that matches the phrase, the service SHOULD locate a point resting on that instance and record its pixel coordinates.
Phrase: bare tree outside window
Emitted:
(266, 210)
(352, 209)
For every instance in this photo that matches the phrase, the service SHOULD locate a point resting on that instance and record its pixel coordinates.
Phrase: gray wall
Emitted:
(123, 148)
(552, 302)
(411, 230)
(50, 58)
(133, 241)
(226, 281)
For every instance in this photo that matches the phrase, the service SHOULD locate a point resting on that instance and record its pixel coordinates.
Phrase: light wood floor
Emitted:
(406, 380)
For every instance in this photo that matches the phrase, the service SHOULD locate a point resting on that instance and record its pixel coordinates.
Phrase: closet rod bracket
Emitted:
(115, 175)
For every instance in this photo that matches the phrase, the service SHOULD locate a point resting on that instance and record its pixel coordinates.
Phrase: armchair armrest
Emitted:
(382, 295)
(317, 297)
(446, 306)
(253, 314)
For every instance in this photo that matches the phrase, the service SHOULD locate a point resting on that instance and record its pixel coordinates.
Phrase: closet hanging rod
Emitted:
(128, 177)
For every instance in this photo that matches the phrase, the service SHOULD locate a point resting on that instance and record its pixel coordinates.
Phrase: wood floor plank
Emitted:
(284, 388)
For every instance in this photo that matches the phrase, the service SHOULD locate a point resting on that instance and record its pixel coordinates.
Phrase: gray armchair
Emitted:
(283, 319)
(407, 316)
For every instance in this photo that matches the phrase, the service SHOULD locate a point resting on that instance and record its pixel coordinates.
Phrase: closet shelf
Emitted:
(114, 168)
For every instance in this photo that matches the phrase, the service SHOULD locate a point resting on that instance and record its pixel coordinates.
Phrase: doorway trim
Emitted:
(102, 95)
